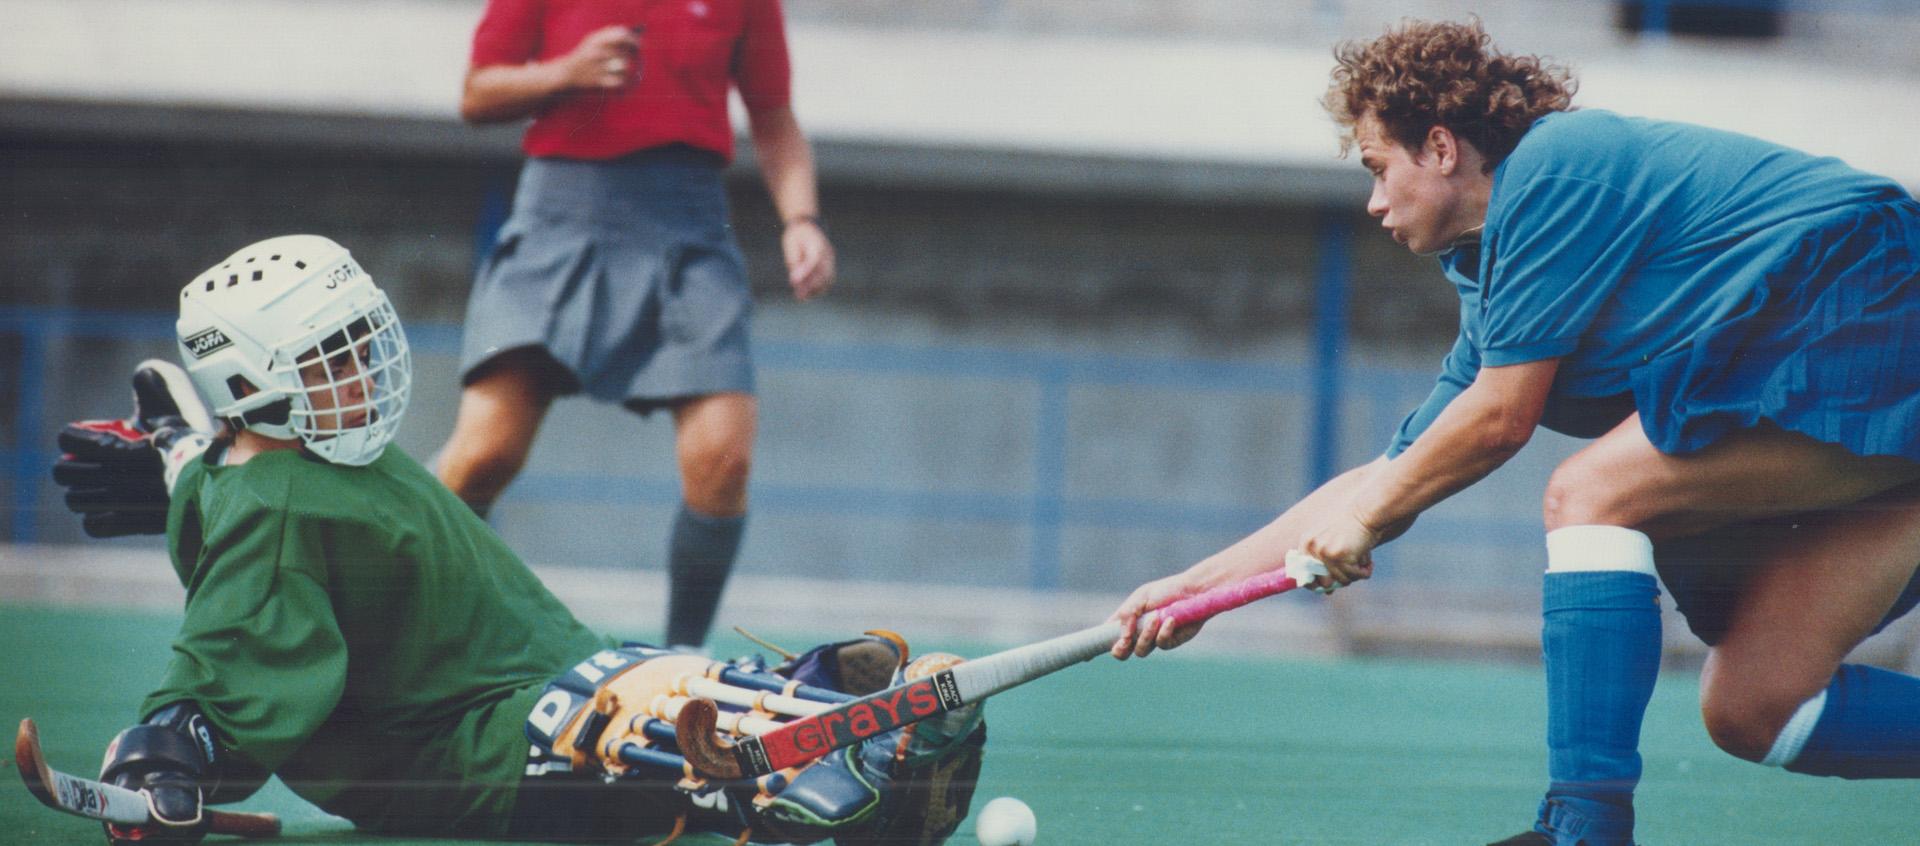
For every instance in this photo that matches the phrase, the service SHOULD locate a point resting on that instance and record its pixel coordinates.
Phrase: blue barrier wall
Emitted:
(891, 461)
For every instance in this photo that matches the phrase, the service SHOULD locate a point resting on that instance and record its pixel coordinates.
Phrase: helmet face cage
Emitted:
(291, 339)
(347, 383)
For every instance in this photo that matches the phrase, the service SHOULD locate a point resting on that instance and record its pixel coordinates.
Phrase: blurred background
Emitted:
(1108, 296)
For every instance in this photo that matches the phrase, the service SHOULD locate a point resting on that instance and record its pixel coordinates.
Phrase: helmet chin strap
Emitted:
(271, 414)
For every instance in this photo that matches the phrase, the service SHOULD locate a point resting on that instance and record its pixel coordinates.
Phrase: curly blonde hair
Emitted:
(1425, 74)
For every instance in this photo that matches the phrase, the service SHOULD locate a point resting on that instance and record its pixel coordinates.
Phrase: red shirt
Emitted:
(691, 53)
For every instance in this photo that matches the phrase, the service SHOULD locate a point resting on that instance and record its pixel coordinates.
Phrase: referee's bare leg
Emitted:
(500, 413)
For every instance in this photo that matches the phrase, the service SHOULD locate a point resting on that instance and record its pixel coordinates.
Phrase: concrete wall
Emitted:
(906, 417)
(1136, 86)
(1077, 246)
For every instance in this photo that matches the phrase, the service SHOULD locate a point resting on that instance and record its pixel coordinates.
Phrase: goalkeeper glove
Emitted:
(119, 473)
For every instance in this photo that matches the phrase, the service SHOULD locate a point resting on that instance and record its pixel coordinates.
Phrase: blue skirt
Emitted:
(626, 272)
(1829, 346)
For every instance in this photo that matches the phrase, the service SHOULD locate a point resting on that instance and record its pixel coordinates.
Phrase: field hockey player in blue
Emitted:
(1734, 324)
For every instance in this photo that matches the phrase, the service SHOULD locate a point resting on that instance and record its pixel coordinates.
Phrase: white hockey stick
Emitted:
(809, 737)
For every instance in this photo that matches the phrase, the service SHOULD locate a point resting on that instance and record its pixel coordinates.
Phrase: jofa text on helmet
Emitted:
(341, 273)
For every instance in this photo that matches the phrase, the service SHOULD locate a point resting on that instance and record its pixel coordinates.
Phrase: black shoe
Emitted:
(1525, 838)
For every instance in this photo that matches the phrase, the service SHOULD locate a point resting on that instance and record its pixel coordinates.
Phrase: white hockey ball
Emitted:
(1006, 821)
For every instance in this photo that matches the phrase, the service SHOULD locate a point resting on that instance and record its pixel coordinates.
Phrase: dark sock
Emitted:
(699, 558)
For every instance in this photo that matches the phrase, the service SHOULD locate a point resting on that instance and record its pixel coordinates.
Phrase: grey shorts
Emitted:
(625, 272)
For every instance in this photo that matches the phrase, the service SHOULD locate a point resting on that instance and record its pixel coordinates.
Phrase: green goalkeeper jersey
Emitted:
(359, 632)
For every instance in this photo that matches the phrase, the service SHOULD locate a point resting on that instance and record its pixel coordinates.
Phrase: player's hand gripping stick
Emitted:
(809, 737)
(101, 801)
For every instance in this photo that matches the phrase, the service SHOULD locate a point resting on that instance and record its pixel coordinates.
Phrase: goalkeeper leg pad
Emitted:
(923, 805)
(867, 795)
(832, 797)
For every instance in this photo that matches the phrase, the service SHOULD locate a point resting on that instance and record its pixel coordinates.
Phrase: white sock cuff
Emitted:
(1793, 737)
(1582, 549)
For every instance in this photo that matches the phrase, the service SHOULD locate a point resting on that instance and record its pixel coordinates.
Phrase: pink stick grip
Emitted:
(1194, 609)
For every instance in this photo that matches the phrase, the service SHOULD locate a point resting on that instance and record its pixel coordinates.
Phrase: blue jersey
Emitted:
(1612, 242)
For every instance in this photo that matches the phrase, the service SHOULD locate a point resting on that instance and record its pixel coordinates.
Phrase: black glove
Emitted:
(118, 472)
(168, 766)
(114, 478)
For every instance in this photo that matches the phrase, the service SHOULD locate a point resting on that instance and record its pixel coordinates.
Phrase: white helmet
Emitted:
(252, 325)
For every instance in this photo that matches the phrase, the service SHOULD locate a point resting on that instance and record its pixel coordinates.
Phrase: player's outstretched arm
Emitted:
(940, 691)
(1265, 551)
(1342, 521)
(119, 473)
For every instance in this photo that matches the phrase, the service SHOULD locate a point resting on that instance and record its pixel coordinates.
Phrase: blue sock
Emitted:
(699, 558)
(1868, 726)
(1601, 642)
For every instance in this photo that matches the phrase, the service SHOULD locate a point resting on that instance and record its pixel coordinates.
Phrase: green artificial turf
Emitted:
(1175, 749)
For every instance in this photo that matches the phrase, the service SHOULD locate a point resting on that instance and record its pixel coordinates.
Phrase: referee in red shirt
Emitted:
(617, 273)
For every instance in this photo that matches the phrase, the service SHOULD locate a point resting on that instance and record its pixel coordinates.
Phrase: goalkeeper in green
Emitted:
(356, 630)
